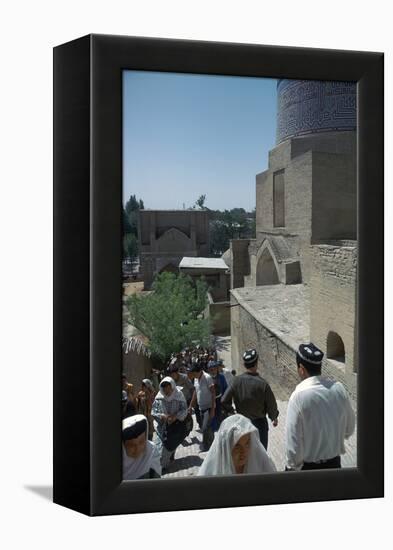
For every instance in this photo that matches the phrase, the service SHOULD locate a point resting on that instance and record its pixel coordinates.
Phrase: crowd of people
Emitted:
(231, 412)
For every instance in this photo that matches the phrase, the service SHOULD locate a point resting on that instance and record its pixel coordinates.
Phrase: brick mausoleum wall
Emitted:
(240, 261)
(333, 305)
(220, 313)
(277, 359)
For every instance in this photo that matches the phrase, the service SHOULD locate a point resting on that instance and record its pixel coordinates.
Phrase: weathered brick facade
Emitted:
(277, 358)
(306, 217)
(333, 307)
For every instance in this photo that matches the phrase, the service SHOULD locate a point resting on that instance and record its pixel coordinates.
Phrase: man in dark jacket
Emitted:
(253, 397)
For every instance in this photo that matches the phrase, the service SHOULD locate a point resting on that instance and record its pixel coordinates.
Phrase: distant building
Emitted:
(215, 272)
(166, 236)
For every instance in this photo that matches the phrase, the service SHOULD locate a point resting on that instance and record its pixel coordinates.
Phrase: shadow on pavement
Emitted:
(221, 344)
(184, 463)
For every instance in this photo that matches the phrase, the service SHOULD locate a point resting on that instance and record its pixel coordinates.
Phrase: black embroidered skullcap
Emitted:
(211, 364)
(133, 426)
(310, 353)
(250, 357)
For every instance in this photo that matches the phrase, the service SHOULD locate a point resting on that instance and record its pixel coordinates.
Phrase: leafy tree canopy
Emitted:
(133, 204)
(170, 317)
(200, 202)
(126, 223)
(130, 246)
(131, 213)
(130, 226)
(230, 224)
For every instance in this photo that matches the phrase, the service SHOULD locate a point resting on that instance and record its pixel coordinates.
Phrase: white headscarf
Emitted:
(218, 460)
(176, 395)
(148, 383)
(134, 468)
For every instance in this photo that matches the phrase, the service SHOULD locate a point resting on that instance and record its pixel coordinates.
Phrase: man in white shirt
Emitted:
(319, 416)
(205, 397)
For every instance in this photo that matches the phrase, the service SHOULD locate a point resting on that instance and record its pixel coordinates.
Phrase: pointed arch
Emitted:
(266, 266)
(173, 240)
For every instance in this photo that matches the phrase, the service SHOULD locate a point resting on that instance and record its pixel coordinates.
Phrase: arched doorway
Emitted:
(335, 348)
(266, 273)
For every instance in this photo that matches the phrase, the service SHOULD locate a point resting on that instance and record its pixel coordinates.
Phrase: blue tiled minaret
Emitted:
(308, 107)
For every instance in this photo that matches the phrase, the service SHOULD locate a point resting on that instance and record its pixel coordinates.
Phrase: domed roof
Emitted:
(311, 106)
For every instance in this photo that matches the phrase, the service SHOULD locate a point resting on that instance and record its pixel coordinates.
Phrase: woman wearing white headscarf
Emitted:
(236, 449)
(169, 412)
(141, 459)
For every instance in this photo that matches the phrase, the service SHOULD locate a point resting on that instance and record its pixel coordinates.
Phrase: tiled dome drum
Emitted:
(308, 107)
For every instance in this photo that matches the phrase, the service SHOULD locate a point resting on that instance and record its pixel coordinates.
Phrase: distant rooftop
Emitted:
(203, 263)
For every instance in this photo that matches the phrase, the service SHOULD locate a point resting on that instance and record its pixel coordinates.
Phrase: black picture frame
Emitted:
(87, 273)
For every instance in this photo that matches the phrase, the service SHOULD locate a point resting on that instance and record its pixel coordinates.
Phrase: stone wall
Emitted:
(333, 306)
(298, 203)
(319, 174)
(330, 309)
(240, 261)
(277, 359)
(333, 196)
(220, 316)
(343, 143)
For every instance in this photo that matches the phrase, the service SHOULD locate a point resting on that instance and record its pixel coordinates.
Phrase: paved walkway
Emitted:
(188, 457)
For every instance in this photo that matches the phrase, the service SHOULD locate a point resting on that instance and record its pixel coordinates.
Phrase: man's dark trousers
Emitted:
(263, 429)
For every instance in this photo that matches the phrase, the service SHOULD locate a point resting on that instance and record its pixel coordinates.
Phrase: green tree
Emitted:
(130, 246)
(132, 204)
(126, 223)
(230, 224)
(219, 239)
(130, 226)
(131, 209)
(200, 202)
(171, 316)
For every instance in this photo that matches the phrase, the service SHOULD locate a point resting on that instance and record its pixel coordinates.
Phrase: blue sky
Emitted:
(186, 135)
